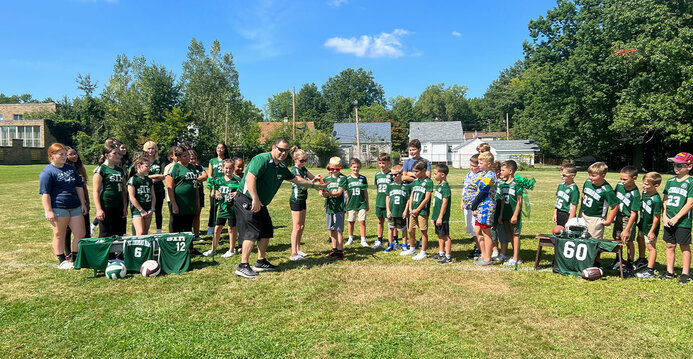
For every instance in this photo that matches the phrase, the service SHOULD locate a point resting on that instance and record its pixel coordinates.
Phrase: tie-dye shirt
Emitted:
(485, 211)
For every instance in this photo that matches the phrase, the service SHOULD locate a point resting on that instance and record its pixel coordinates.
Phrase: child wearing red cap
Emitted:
(678, 201)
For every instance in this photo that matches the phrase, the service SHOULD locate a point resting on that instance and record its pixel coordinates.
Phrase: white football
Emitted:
(150, 268)
(116, 270)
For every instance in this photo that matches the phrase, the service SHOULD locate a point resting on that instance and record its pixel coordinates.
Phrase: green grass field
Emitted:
(373, 304)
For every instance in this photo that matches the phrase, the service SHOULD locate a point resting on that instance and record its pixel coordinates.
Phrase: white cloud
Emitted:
(456, 34)
(338, 3)
(258, 23)
(383, 45)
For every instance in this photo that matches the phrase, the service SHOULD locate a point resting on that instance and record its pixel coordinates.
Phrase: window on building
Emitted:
(17, 117)
(1, 117)
(30, 134)
(425, 149)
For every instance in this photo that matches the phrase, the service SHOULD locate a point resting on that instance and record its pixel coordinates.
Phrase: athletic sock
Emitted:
(448, 256)
(351, 238)
(61, 258)
(363, 238)
(441, 253)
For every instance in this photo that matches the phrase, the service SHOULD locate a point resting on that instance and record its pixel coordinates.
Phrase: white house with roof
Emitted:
(375, 137)
(437, 139)
(518, 150)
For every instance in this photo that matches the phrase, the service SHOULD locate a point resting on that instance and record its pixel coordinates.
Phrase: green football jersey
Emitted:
(499, 200)
(651, 206)
(677, 193)
(299, 194)
(567, 196)
(419, 188)
(382, 181)
(216, 171)
(111, 192)
(572, 256)
(143, 193)
(598, 199)
(174, 252)
(335, 204)
(184, 181)
(93, 252)
(627, 200)
(269, 176)
(399, 195)
(357, 192)
(226, 188)
(510, 192)
(136, 251)
(442, 191)
(156, 168)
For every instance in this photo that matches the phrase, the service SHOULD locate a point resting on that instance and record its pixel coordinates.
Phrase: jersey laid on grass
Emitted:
(419, 188)
(567, 196)
(93, 252)
(651, 206)
(143, 193)
(382, 181)
(299, 194)
(597, 199)
(357, 192)
(174, 255)
(184, 182)
(573, 255)
(226, 188)
(335, 204)
(510, 192)
(442, 191)
(269, 176)
(399, 195)
(627, 200)
(136, 251)
(111, 192)
(677, 193)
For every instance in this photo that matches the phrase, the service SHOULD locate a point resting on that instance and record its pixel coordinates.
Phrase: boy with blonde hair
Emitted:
(484, 207)
(598, 198)
(567, 195)
(650, 218)
(468, 193)
(678, 201)
(336, 186)
(627, 215)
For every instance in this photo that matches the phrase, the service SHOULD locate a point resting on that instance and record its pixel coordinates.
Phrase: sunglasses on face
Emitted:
(282, 150)
(566, 175)
(302, 161)
(680, 165)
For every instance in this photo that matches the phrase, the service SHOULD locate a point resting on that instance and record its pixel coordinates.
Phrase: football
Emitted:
(116, 270)
(591, 273)
(150, 268)
(558, 230)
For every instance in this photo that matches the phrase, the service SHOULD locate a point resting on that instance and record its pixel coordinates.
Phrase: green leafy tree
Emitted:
(310, 104)
(279, 106)
(342, 90)
(321, 144)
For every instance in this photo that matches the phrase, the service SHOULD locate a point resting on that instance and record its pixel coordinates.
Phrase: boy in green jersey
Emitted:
(382, 180)
(511, 211)
(567, 195)
(357, 201)
(598, 198)
(419, 206)
(440, 216)
(396, 208)
(336, 186)
(678, 201)
(627, 216)
(650, 218)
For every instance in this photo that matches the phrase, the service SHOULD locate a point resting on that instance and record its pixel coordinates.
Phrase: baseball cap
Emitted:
(682, 157)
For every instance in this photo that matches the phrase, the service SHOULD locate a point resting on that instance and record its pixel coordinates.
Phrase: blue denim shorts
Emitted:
(67, 212)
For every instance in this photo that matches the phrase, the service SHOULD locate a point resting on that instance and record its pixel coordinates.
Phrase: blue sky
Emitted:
(276, 44)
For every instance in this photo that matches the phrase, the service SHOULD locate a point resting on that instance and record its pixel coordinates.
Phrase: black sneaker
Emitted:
(474, 253)
(646, 273)
(437, 257)
(332, 254)
(684, 278)
(244, 271)
(445, 260)
(263, 265)
(614, 265)
(641, 262)
(339, 255)
(667, 275)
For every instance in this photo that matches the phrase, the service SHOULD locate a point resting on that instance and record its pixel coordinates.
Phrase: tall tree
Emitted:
(310, 104)
(342, 90)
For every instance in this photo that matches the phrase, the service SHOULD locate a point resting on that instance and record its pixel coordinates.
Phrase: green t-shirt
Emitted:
(269, 176)
(572, 256)
(399, 195)
(216, 171)
(598, 199)
(357, 192)
(510, 192)
(418, 194)
(335, 204)
(627, 200)
(93, 252)
(226, 188)
(382, 181)
(677, 193)
(499, 200)
(174, 255)
(156, 168)
(184, 182)
(651, 206)
(442, 191)
(567, 196)
(136, 251)
(111, 193)
(299, 194)
(143, 193)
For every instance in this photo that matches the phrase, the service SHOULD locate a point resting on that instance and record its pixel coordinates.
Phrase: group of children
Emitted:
(636, 217)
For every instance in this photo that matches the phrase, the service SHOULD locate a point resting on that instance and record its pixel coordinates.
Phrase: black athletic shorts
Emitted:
(562, 218)
(677, 235)
(251, 226)
(222, 221)
(297, 207)
(443, 230)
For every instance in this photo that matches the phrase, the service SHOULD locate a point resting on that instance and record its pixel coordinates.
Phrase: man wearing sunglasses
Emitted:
(264, 175)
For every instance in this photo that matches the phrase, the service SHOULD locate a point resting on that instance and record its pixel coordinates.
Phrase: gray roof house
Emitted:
(375, 137)
(518, 150)
(437, 139)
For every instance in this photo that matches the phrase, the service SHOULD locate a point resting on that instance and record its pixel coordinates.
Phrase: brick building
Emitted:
(24, 141)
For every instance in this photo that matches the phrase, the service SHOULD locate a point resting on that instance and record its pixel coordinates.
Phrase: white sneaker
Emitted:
(297, 258)
(420, 256)
(377, 245)
(408, 252)
(494, 254)
(364, 243)
(349, 242)
(92, 227)
(303, 254)
(228, 254)
(207, 253)
(66, 265)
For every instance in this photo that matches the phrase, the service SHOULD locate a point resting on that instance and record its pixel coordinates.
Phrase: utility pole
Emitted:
(358, 138)
(293, 108)
(226, 122)
(507, 127)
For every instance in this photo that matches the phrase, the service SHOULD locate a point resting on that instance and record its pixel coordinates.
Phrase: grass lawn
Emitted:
(373, 304)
